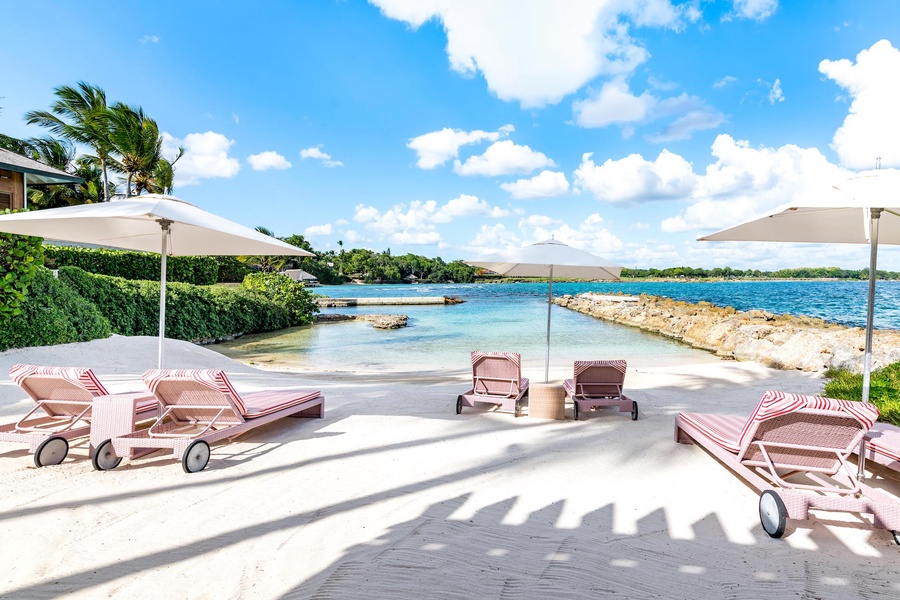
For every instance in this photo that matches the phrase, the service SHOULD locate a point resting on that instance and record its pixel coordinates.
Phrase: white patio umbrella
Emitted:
(548, 259)
(865, 209)
(151, 223)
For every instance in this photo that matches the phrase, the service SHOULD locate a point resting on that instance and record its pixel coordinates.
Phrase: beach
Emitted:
(393, 495)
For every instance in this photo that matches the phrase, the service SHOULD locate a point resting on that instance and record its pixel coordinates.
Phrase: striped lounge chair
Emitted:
(599, 383)
(496, 379)
(794, 450)
(199, 407)
(64, 409)
(883, 445)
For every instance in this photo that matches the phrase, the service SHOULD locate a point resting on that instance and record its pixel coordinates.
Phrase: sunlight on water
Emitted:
(513, 317)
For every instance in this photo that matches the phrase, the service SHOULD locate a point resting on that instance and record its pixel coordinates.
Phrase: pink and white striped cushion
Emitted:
(724, 430)
(775, 404)
(269, 401)
(79, 376)
(582, 365)
(212, 378)
(513, 357)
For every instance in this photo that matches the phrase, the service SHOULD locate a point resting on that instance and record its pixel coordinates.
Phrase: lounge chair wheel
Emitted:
(896, 535)
(772, 513)
(196, 457)
(52, 451)
(104, 458)
(634, 411)
(459, 405)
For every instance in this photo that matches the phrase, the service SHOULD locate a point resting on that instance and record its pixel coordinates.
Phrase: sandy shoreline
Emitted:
(392, 495)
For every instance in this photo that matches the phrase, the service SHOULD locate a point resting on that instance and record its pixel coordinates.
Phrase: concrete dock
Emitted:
(407, 300)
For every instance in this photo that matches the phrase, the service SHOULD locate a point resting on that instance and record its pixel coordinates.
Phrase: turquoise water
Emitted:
(513, 317)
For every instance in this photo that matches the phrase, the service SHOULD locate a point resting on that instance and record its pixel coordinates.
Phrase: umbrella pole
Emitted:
(549, 305)
(870, 318)
(164, 223)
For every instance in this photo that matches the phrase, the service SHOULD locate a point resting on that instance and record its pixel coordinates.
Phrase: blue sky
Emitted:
(454, 128)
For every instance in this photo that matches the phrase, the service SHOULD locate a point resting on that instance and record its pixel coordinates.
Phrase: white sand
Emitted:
(394, 496)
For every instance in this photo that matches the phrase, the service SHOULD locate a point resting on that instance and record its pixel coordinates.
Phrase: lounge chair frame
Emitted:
(211, 411)
(769, 466)
(599, 383)
(496, 379)
(66, 401)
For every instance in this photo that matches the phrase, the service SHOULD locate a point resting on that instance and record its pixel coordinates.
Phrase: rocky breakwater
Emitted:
(378, 321)
(779, 341)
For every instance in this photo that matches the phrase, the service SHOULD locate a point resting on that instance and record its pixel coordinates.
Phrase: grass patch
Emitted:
(884, 389)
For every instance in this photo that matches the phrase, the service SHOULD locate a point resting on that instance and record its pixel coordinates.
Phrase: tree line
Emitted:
(728, 272)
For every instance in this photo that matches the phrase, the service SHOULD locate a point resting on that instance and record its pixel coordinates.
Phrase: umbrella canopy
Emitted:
(548, 259)
(152, 223)
(864, 209)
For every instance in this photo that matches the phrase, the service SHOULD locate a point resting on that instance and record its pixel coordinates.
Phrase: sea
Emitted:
(512, 317)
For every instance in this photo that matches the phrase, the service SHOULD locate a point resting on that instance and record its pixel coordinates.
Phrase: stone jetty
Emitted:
(326, 302)
(378, 321)
(779, 341)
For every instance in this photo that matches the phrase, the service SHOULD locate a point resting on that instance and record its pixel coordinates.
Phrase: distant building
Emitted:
(18, 172)
(307, 279)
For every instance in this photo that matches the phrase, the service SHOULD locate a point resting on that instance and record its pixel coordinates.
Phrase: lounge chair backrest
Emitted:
(599, 378)
(496, 373)
(190, 393)
(45, 384)
(805, 431)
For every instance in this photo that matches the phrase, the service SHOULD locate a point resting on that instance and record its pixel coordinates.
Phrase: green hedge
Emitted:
(884, 389)
(286, 292)
(52, 313)
(142, 266)
(192, 312)
(20, 256)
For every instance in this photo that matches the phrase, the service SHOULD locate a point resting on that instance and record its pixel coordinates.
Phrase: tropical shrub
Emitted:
(20, 256)
(144, 266)
(232, 270)
(287, 293)
(52, 313)
(884, 389)
(192, 312)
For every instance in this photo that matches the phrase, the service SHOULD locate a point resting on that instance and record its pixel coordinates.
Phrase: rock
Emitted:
(785, 342)
(377, 321)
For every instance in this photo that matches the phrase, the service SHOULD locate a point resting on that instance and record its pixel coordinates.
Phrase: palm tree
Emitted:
(135, 141)
(79, 115)
(58, 154)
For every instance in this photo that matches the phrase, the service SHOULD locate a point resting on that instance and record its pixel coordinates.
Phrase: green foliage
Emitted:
(287, 293)
(192, 312)
(198, 270)
(52, 313)
(20, 256)
(884, 389)
(232, 270)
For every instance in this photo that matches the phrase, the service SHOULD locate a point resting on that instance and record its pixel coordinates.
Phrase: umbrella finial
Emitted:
(877, 162)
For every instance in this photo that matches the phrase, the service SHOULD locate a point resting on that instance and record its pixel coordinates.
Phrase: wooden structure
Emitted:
(17, 172)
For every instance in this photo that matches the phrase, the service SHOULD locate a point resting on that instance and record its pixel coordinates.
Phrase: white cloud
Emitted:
(237, 119)
(268, 160)
(872, 126)
(316, 230)
(720, 83)
(436, 148)
(614, 103)
(745, 182)
(149, 39)
(634, 179)
(659, 84)
(503, 158)
(353, 236)
(758, 10)
(591, 235)
(406, 224)
(466, 206)
(205, 157)
(546, 184)
(493, 238)
(538, 221)
(316, 153)
(542, 53)
(775, 94)
(342, 222)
